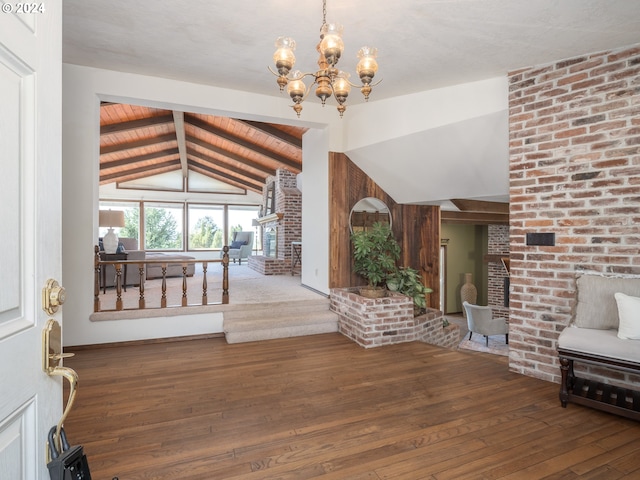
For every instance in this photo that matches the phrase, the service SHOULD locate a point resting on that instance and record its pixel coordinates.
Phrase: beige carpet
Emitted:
(246, 286)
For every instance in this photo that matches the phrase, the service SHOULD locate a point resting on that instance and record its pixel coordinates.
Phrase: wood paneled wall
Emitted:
(416, 227)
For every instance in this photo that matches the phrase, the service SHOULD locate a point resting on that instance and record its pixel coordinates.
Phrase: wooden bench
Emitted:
(593, 339)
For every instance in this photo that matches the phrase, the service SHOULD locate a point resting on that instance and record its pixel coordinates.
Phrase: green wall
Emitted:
(465, 250)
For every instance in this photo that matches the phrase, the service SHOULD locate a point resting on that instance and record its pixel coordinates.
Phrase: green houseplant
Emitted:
(375, 253)
(408, 281)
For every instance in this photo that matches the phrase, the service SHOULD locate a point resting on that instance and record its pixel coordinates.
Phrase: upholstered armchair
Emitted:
(480, 320)
(241, 246)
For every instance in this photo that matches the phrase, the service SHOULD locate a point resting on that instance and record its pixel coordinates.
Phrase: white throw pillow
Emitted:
(629, 315)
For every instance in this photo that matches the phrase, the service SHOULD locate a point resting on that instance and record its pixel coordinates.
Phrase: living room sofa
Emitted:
(130, 246)
(154, 270)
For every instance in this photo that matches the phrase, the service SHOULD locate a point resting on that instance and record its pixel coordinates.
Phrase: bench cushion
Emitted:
(596, 306)
(599, 342)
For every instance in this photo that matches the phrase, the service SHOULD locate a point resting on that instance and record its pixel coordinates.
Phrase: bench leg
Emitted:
(566, 369)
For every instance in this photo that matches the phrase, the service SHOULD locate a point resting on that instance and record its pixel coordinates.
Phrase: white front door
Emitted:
(30, 228)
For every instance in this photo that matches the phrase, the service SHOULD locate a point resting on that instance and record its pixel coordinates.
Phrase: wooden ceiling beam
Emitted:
(258, 179)
(480, 206)
(274, 132)
(178, 118)
(474, 218)
(224, 176)
(147, 142)
(148, 170)
(140, 158)
(135, 124)
(202, 125)
(232, 156)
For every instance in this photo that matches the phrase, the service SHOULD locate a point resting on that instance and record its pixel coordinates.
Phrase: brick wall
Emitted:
(269, 266)
(574, 171)
(288, 201)
(498, 244)
(385, 321)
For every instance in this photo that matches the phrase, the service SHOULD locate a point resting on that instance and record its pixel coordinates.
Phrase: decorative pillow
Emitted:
(596, 306)
(237, 245)
(629, 313)
(120, 248)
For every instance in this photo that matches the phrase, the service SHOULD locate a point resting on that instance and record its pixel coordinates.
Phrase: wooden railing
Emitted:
(141, 264)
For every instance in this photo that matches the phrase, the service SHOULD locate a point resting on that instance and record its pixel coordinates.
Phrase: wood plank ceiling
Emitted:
(138, 142)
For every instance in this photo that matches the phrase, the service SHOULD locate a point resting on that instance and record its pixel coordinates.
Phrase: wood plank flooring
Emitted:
(321, 406)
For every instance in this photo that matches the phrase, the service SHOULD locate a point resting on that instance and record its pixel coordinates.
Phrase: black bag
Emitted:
(69, 464)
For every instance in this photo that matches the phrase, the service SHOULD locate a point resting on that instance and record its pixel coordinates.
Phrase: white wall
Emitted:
(315, 210)
(433, 146)
(83, 88)
(375, 122)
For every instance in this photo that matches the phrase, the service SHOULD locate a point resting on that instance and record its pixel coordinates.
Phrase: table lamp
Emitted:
(110, 219)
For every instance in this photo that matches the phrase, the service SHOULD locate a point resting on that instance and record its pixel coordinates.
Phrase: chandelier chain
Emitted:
(324, 12)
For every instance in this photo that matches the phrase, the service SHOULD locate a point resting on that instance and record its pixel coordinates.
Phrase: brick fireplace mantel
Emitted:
(273, 218)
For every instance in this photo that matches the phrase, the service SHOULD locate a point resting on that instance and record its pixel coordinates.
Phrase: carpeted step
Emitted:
(279, 320)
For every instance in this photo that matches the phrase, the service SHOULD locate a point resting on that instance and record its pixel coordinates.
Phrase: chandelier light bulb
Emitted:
(367, 66)
(284, 57)
(296, 87)
(331, 45)
(341, 87)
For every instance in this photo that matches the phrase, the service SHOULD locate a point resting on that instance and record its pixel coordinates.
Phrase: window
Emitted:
(241, 220)
(131, 227)
(206, 226)
(163, 226)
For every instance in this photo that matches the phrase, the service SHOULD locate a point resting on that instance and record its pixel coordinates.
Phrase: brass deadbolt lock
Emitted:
(53, 295)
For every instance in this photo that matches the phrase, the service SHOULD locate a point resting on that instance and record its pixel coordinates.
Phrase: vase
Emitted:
(468, 292)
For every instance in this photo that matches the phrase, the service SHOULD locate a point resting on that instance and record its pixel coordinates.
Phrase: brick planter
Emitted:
(429, 329)
(374, 322)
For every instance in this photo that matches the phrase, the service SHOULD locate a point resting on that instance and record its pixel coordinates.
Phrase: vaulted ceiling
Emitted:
(138, 142)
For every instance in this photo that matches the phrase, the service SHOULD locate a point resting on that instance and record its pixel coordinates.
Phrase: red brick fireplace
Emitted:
(281, 223)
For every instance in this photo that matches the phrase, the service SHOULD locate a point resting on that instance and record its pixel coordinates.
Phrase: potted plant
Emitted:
(375, 252)
(408, 281)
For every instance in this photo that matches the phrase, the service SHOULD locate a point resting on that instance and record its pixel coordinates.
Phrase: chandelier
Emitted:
(328, 79)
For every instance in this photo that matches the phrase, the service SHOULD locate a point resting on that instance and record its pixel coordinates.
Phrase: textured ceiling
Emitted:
(423, 44)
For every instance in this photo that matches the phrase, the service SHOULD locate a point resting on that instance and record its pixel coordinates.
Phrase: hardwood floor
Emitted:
(321, 406)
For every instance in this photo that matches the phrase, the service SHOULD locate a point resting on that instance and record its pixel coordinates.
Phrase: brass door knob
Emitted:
(53, 295)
